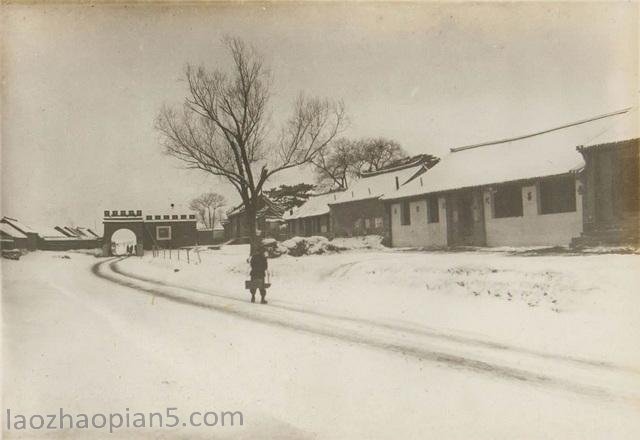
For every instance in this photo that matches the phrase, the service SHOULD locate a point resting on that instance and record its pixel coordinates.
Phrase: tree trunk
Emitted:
(213, 225)
(250, 217)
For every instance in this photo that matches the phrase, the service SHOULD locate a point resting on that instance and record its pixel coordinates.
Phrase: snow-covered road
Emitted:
(100, 335)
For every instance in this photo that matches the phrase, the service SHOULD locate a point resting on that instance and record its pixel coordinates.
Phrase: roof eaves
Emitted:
(482, 185)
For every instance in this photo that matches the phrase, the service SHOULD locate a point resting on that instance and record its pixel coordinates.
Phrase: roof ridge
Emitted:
(560, 127)
(418, 160)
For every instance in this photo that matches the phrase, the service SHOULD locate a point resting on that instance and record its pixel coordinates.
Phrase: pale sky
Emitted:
(82, 85)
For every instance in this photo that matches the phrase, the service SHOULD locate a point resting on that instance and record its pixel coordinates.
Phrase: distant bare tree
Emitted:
(346, 159)
(337, 164)
(207, 206)
(223, 126)
(373, 154)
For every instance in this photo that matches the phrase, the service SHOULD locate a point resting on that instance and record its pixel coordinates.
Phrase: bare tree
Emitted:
(374, 154)
(223, 127)
(207, 206)
(337, 164)
(346, 159)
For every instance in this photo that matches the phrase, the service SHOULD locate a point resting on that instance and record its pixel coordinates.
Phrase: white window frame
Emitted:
(159, 228)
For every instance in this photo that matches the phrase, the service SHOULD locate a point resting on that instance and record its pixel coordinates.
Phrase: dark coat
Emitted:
(258, 266)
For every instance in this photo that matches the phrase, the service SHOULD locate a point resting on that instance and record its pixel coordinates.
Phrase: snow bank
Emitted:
(366, 242)
(316, 245)
(528, 300)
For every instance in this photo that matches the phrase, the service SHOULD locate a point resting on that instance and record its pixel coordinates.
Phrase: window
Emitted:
(378, 222)
(163, 232)
(405, 214)
(433, 213)
(357, 225)
(367, 223)
(557, 195)
(507, 201)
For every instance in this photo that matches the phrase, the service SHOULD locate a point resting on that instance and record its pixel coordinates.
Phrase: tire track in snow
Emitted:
(414, 329)
(263, 314)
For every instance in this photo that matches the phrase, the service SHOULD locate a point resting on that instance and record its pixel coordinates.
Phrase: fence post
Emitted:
(178, 254)
(188, 261)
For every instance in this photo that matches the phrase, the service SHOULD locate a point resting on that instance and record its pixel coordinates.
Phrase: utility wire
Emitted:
(572, 124)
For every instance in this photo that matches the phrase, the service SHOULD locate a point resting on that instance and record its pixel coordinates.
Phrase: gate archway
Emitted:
(122, 240)
(114, 222)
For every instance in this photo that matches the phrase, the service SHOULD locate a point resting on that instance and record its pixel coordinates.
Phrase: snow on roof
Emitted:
(71, 231)
(88, 232)
(216, 227)
(315, 205)
(269, 205)
(51, 233)
(624, 128)
(548, 153)
(376, 185)
(18, 225)
(11, 231)
(63, 238)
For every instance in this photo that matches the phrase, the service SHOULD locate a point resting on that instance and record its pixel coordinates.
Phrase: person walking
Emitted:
(259, 267)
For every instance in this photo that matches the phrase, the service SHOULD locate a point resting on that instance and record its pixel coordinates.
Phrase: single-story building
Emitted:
(208, 235)
(63, 238)
(268, 221)
(360, 211)
(11, 238)
(31, 235)
(313, 217)
(520, 191)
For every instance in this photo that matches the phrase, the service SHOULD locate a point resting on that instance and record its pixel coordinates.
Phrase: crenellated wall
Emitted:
(181, 229)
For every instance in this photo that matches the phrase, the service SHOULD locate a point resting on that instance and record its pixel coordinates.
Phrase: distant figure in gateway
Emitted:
(259, 267)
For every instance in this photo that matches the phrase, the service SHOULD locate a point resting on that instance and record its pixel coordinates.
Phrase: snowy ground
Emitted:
(363, 344)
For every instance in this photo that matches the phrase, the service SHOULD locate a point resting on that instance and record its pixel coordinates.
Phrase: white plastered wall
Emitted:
(533, 229)
(419, 233)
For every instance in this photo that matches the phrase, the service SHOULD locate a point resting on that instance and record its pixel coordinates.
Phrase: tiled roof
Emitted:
(269, 205)
(11, 231)
(314, 206)
(18, 225)
(378, 184)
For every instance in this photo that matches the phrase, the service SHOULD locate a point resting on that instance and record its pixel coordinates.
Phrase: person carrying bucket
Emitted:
(259, 265)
